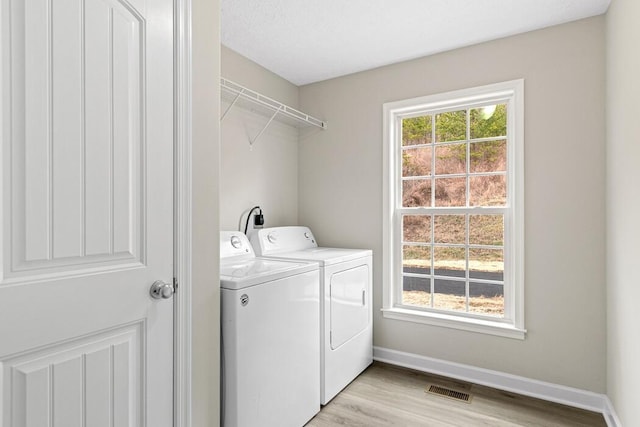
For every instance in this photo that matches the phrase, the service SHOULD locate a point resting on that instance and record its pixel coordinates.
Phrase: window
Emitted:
(453, 209)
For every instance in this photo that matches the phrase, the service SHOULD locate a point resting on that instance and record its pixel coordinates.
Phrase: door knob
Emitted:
(161, 290)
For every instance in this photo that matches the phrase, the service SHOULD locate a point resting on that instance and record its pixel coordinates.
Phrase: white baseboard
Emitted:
(610, 415)
(529, 387)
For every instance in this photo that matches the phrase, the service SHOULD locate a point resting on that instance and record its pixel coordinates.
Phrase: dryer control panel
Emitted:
(270, 241)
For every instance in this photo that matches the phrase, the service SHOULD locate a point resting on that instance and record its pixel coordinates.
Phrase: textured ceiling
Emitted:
(306, 41)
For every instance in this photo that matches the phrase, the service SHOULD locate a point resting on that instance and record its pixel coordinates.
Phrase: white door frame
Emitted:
(196, 38)
(182, 213)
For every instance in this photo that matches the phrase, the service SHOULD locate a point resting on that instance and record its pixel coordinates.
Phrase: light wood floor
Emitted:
(386, 395)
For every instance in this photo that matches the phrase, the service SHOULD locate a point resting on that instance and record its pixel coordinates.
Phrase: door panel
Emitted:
(77, 187)
(86, 123)
(102, 370)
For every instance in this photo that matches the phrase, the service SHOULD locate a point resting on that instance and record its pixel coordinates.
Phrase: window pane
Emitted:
(490, 156)
(449, 261)
(451, 159)
(486, 191)
(489, 121)
(451, 126)
(486, 264)
(416, 161)
(487, 299)
(416, 228)
(416, 259)
(416, 192)
(449, 295)
(416, 291)
(416, 130)
(451, 191)
(449, 229)
(486, 230)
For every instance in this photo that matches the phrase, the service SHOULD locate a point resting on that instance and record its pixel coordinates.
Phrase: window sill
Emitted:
(455, 322)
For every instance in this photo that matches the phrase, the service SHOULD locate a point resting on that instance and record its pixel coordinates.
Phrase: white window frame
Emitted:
(512, 94)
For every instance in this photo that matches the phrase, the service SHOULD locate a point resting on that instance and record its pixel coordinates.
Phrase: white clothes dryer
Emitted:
(270, 353)
(346, 333)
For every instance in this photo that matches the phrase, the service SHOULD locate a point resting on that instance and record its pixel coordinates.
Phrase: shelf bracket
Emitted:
(251, 142)
(231, 105)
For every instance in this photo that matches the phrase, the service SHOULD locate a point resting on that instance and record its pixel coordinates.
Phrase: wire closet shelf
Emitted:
(237, 94)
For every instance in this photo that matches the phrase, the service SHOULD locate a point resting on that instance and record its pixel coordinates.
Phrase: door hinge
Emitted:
(175, 284)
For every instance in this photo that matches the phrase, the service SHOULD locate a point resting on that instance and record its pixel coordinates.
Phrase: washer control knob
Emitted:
(272, 237)
(236, 242)
(306, 235)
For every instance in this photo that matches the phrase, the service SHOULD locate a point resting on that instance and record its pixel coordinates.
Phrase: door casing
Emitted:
(197, 65)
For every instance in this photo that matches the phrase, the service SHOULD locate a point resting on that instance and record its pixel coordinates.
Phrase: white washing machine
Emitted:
(346, 340)
(270, 353)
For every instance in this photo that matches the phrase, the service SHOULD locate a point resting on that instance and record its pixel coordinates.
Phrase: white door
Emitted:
(86, 212)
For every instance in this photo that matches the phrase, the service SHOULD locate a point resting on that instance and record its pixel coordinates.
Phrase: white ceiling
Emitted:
(306, 41)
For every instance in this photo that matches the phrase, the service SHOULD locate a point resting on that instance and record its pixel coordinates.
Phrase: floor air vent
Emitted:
(451, 394)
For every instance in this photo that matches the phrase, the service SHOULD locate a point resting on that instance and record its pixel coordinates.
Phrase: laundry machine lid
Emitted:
(325, 256)
(249, 272)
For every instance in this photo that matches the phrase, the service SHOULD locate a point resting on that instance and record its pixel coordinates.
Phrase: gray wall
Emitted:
(205, 292)
(340, 193)
(265, 174)
(623, 206)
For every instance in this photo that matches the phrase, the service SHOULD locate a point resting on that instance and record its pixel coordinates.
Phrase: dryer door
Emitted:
(349, 304)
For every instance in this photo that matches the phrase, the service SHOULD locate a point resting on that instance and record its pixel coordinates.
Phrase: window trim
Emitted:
(511, 92)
